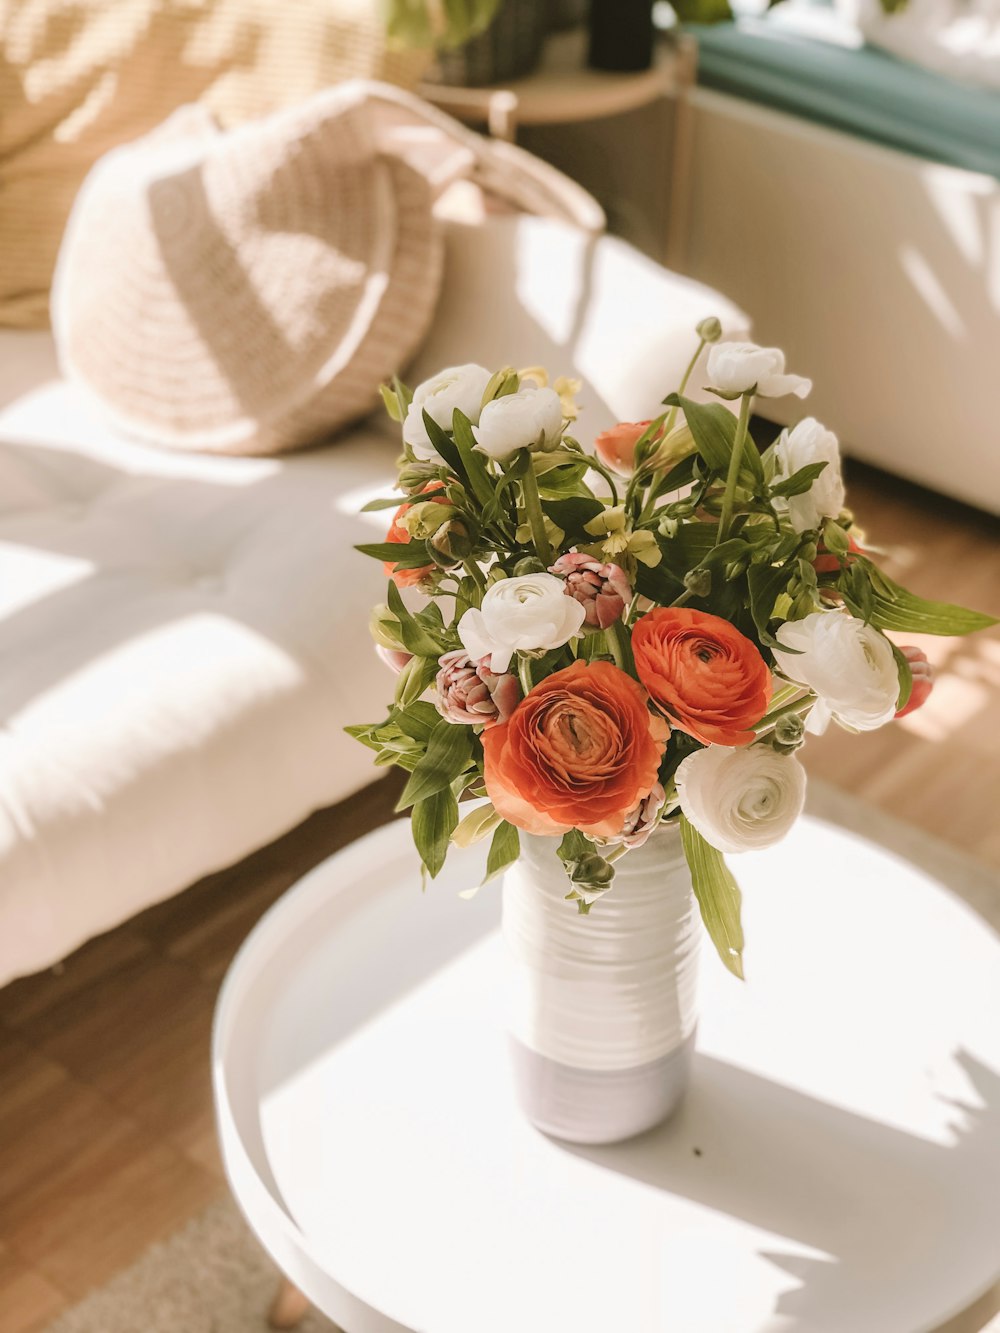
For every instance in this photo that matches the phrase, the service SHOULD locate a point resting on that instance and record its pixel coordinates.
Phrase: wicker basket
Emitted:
(509, 47)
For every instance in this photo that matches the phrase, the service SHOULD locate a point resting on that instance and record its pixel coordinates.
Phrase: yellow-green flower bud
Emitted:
(698, 582)
(709, 330)
(423, 520)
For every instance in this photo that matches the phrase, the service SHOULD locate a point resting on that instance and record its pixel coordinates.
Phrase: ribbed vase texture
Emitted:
(602, 1007)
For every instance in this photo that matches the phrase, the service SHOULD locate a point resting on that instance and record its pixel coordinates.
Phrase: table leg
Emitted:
(288, 1308)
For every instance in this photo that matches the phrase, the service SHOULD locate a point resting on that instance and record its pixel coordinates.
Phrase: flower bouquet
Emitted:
(632, 637)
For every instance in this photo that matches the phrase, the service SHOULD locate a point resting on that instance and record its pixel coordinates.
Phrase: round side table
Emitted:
(835, 1167)
(563, 89)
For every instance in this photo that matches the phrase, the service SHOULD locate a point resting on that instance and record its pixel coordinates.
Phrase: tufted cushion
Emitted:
(182, 641)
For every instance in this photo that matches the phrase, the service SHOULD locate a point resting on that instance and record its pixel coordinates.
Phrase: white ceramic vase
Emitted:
(602, 1007)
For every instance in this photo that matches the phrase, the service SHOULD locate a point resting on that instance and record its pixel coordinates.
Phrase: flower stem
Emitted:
(668, 426)
(524, 673)
(729, 499)
(475, 573)
(536, 519)
(800, 705)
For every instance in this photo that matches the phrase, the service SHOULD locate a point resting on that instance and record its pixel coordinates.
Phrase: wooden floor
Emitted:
(106, 1135)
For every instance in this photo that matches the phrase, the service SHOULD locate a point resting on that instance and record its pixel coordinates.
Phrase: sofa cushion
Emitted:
(182, 641)
(854, 88)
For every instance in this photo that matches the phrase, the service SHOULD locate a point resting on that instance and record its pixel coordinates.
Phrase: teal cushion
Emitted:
(865, 92)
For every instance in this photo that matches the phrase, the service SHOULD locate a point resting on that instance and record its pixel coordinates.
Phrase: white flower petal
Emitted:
(737, 367)
(849, 665)
(809, 442)
(741, 800)
(521, 420)
(776, 386)
(459, 387)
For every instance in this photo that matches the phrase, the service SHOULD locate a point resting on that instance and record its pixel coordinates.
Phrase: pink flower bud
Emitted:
(603, 590)
(640, 822)
(469, 692)
(923, 679)
(396, 658)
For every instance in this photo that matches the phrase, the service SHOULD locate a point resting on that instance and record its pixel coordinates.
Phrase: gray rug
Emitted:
(212, 1277)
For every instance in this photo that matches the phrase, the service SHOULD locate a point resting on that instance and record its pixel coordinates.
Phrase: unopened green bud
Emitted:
(451, 544)
(698, 582)
(835, 539)
(415, 476)
(735, 569)
(529, 565)
(789, 731)
(591, 874)
(803, 606)
(496, 574)
(384, 627)
(709, 330)
(809, 552)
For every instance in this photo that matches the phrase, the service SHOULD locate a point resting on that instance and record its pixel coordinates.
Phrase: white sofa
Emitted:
(182, 639)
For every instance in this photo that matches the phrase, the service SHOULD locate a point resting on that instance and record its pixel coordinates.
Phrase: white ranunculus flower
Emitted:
(458, 386)
(849, 664)
(519, 421)
(528, 613)
(741, 800)
(809, 442)
(737, 367)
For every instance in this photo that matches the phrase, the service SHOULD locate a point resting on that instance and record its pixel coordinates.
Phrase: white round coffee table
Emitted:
(834, 1169)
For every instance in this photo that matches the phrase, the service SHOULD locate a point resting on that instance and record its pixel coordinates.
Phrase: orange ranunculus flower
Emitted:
(708, 678)
(408, 578)
(579, 751)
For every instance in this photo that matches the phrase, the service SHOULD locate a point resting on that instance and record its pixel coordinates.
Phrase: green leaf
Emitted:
(391, 402)
(504, 850)
(564, 481)
(799, 482)
(905, 677)
(363, 733)
(573, 845)
(433, 821)
(404, 555)
(417, 638)
(414, 678)
(474, 461)
(572, 514)
(718, 896)
(766, 583)
(418, 721)
(714, 430)
(895, 608)
(447, 756)
(373, 506)
(620, 643)
(445, 447)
